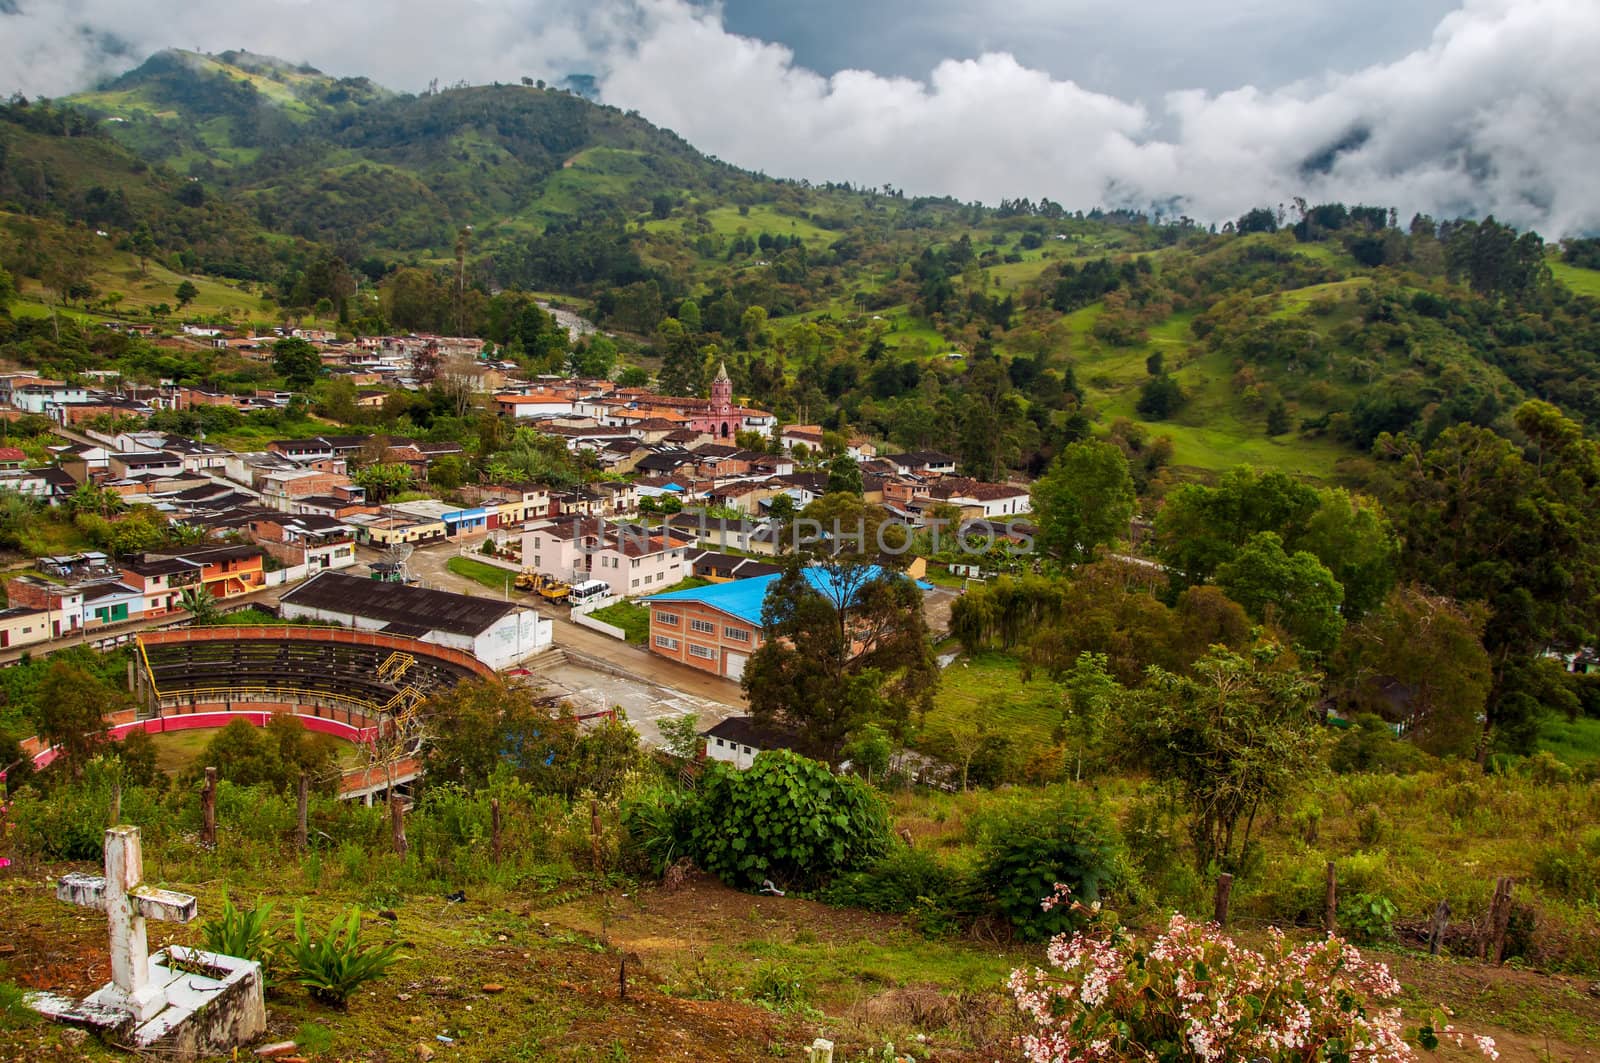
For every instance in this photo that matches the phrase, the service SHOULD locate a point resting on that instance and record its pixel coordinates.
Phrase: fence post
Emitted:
(116, 801)
(1330, 902)
(821, 1051)
(208, 809)
(594, 832)
(1441, 919)
(1500, 918)
(494, 828)
(1224, 892)
(302, 801)
(397, 822)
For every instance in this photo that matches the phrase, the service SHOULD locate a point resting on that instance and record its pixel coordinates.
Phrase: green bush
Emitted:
(904, 880)
(657, 825)
(335, 965)
(1368, 917)
(786, 818)
(1026, 848)
(1571, 871)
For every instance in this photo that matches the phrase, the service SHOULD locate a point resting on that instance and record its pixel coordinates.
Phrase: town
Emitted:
(483, 579)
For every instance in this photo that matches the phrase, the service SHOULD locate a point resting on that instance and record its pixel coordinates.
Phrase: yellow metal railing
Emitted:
(395, 665)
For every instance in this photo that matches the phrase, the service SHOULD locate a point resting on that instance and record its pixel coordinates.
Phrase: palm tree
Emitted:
(202, 607)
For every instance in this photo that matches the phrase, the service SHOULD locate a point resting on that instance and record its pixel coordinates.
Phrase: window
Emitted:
(705, 653)
(667, 618)
(635, 581)
(705, 627)
(719, 743)
(737, 634)
(668, 643)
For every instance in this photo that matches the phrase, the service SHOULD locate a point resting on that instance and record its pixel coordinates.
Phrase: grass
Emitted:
(491, 576)
(632, 618)
(1575, 741)
(176, 750)
(988, 688)
(1580, 280)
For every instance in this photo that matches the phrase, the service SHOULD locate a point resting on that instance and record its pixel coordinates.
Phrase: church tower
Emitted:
(722, 401)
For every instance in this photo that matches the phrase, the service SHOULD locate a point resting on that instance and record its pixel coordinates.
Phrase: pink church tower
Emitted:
(722, 402)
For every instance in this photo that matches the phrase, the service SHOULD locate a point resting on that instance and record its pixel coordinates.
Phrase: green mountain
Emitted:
(1001, 334)
(347, 162)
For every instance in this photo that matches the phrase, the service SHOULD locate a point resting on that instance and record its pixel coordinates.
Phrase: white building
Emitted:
(497, 633)
(738, 739)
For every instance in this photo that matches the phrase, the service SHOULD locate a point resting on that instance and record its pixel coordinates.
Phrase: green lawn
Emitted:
(989, 689)
(1580, 280)
(1576, 741)
(632, 618)
(491, 576)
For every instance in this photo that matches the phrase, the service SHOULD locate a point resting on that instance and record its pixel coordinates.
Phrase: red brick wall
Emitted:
(684, 632)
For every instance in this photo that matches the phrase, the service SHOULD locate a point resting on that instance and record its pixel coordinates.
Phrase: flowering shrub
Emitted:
(1195, 995)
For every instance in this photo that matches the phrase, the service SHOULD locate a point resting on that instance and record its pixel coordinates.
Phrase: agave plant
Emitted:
(335, 965)
(241, 932)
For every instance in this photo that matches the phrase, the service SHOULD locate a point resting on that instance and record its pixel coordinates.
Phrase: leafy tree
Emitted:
(1432, 648)
(297, 361)
(844, 644)
(201, 605)
(1028, 847)
(448, 471)
(137, 755)
(1159, 398)
(383, 480)
(1201, 527)
(682, 736)
(1091, 698)
(844, 475)
(1084, 501)
(186, 294)
(787, 819)
(71, 710)
(1486, 521)
(1236, 737)
(144, 246)
(1295, 590)
(272, 756)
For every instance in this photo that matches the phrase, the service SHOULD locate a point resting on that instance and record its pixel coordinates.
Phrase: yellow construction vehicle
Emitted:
(546, 587)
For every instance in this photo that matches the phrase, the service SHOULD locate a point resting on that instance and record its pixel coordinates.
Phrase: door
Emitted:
(733, 664)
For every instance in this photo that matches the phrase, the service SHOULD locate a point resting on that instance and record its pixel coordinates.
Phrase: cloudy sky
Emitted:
(1207, 106)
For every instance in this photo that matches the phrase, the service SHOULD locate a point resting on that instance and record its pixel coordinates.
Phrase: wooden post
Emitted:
(622, 977)
(1500, 919)
(397, 822)
(302, 803)
(494, 828)
(208, 809)
(116, 801)
(594, 832)
(1330, 902)
(1224, 892)
(1441, 919)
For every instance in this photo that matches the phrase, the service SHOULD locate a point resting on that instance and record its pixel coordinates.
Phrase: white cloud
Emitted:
(1494, 114)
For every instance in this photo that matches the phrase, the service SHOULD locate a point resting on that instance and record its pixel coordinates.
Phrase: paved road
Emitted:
(428, 565)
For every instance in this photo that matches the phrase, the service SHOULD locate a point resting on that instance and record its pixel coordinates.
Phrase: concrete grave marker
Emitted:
(181, 1000)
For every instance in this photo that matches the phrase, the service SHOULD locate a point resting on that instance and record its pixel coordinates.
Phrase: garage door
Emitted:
(733, 664)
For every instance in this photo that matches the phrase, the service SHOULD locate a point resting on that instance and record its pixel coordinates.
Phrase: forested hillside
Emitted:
(1292, 338)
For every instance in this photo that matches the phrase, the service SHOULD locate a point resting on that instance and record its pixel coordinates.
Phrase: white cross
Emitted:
(127, 902)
